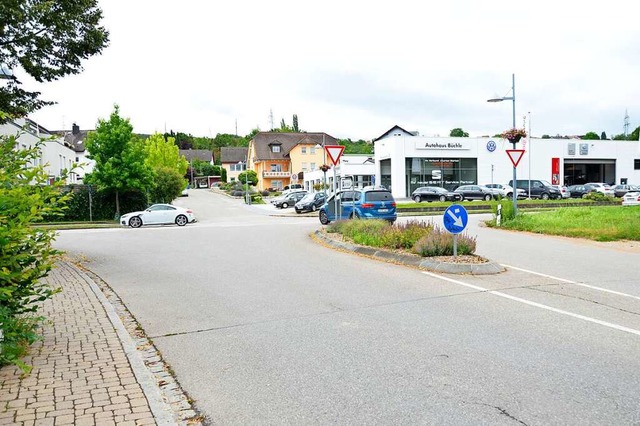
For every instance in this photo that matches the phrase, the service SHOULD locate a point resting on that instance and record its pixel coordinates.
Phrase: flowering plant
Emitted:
(324, 168)
(514, 134)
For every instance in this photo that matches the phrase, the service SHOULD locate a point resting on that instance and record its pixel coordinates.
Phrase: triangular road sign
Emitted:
(334, 152)
(515, 155)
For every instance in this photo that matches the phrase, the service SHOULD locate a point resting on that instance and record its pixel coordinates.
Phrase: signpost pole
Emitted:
(455, 245)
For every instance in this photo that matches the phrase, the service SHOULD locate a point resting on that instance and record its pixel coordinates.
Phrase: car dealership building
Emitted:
(405, 161)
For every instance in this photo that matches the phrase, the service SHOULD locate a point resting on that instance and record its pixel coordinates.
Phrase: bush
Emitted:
(440, 243)
(26, 254)
(17, 333)
(265, 193)
(598, 196)
(237, 193)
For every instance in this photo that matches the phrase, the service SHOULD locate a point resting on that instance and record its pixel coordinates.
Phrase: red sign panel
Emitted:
(555, 171)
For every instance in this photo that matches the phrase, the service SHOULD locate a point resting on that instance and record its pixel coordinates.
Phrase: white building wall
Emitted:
(495, 166)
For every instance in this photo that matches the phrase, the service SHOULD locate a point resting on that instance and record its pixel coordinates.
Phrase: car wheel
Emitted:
(487, 197)
(443, 198)
(545, 196)
(298, 211)
(510, 195)
(285, 205)
(181, 220)
(354, 215)
(417, 199)
(313, 208)
(324, 219)
(135, 222)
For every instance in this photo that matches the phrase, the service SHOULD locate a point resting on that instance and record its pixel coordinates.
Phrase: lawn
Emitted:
(599, 223)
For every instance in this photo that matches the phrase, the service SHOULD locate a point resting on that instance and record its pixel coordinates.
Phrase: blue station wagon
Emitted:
(359, 204)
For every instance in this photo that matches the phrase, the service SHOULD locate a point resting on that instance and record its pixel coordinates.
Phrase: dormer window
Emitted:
(275, 148)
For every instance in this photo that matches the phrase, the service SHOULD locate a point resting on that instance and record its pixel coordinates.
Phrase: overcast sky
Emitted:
(354, 69)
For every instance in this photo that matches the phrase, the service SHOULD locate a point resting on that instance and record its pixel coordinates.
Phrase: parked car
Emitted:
(292, 186)
(564, 191)
(289, 200)
(475, 192)
(505, 191)
(434, 193)
(185, 192)
(311, 202)
(631, 198)
(359, 204)
(285, 193)
(620, 190)
(602, 187)
(158, 214)
(578, 191)
(539, 189)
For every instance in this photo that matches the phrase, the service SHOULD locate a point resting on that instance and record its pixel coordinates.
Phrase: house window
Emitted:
(277, 184)
(313, 166)
(276, 167)
(304, 150)
(305, 166)
(312, 150)
(275, 148)
(636, 164)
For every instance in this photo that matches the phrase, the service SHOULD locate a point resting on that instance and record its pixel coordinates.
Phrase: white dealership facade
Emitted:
(405, 161)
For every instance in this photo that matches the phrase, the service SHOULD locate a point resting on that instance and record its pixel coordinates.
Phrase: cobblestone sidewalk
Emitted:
(86, 370)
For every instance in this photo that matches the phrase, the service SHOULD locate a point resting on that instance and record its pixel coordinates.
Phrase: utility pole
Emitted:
(271, 118)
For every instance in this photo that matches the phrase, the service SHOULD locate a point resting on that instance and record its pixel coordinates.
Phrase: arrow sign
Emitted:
(515, 155)
(455, 219)
(334, 152)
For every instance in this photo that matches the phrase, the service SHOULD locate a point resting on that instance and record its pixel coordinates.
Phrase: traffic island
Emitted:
(464, 264)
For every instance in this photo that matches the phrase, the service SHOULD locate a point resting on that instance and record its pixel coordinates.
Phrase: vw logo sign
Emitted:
(491, 146)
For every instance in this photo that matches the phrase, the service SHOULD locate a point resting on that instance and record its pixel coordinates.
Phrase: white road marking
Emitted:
(537, 305)
(573, 282)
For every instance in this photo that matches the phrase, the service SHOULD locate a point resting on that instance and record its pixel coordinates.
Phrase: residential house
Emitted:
(197, 154)
(280, 159)
(56, 155)
(76, 139)
(234, 161)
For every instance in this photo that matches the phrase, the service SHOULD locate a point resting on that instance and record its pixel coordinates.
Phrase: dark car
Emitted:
(434, 193)
(474, 192)
(289, 200)
(578, 191)
(311, 202)
(620, 190)
(539, 189)
(366, 203)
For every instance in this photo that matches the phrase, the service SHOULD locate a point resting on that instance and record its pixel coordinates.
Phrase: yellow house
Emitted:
(280, 159)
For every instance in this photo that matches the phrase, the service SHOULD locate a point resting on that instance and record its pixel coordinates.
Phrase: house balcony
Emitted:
(276, 174)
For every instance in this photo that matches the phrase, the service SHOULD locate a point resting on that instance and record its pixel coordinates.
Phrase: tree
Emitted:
(458, 133)
(48, 39)
(249, 175)
(168, 166)
(358, 147)
(591, 136)
(546, 137)
(635, 135)
(168, 184)
(603, 136)
(119, 156)
(296, 128)
(161, 152)
(26, 254)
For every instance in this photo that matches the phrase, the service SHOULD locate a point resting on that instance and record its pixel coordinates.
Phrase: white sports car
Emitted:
(158, 214)
(631, 199)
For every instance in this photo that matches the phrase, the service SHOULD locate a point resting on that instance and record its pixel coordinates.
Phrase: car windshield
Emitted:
(308, 197)
(379, 196)
(440, 190)
(546, 183)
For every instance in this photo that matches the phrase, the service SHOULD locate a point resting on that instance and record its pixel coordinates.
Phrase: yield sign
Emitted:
(334, 151)
(515, 155)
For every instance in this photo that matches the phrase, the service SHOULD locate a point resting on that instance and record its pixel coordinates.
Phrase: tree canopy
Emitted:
(119, 156)
(458, 133)
(48, 40)
(591, 136)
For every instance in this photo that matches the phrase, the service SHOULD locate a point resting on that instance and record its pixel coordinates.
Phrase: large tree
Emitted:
(458, 133)
(48, 40)
(169, 167)
(119, 156)
(591, 136)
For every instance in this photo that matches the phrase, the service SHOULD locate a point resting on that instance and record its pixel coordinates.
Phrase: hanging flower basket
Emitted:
(324, 168)
(514, 135)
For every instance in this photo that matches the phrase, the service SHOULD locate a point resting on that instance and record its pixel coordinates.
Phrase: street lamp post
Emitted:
(512, 98)
(247, 197)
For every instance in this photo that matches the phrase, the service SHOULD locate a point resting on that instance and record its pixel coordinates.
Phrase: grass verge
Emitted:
(602, 223)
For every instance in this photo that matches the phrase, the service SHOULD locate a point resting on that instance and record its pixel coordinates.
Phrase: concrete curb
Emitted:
(161, 411)
(412, 260)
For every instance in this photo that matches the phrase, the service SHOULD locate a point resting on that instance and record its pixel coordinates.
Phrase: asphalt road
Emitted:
(262, 325)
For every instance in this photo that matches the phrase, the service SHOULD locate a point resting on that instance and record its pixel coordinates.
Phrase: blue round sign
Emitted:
(455, 219)
(491, 146)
